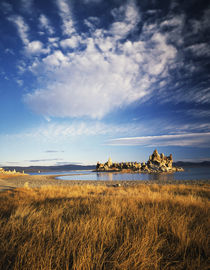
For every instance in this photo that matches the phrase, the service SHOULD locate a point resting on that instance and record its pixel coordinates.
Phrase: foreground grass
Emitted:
(87, 227)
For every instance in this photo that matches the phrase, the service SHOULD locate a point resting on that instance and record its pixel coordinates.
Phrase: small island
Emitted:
(157, 163)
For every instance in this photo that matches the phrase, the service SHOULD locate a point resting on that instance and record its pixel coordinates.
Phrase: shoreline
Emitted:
(36, 181)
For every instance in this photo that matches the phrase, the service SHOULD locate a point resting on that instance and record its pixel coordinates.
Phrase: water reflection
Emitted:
(189, 174)
(162, 177)
(109, 176)
(104, 176)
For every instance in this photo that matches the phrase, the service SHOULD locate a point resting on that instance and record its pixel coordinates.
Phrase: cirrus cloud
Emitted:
(186, 139)
(131, 59)
(107, 74)
(21, 26)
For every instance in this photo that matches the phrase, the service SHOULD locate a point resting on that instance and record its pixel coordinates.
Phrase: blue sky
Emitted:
(84, 80)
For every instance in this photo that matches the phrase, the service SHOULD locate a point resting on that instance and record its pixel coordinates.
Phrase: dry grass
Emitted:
(87, 227)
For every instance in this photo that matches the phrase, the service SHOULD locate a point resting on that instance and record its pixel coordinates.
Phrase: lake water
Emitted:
(196, 173)
(61, 172)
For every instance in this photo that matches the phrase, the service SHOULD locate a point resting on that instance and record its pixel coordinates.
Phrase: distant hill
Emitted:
(192, 164)
(72, 167)
(69, 167)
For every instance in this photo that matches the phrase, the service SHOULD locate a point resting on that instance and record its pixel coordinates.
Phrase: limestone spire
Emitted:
(110, 162)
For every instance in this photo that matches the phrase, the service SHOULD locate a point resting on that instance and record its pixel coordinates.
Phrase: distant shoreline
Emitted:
(71, 167)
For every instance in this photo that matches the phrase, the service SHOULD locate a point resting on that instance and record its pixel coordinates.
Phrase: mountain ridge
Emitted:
(71, 167)
(192, 164)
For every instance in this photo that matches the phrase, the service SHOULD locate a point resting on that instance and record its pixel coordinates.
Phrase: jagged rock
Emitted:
(162, 169)
(106, 167)
(155, 156)
(156, 163)
(179, 169)
(2, 171)
(109, 163)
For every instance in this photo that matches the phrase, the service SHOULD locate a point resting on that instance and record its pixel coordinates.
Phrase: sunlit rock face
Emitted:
(109, 163)
(160, 162)
(157, 163)
(3, 172)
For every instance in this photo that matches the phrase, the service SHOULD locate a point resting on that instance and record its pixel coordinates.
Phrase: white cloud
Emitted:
(66, 16)
(21, 66)
(55, 132)
(162, 55)
(173, 21)
(152, 11)
(128, 17)
(106, 74)
(92, 22)
(197, 94)
(53, 42)
(87, 85)
(53, 39)
(55, 59)
(72, 42)
(198, 113)
(43, 160)
(35, 47)
(19, 82)
(45, 24)
(189, 139)
(188, 128)
(200, 49)
(176, 25)
(22, 27)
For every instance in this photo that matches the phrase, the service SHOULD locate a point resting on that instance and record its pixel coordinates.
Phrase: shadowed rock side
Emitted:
(157, 163)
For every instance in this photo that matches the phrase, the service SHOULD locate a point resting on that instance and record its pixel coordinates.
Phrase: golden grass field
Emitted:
(99, 227)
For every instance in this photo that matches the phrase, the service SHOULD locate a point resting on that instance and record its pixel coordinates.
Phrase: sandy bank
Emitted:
(33, 181)
(11, 182)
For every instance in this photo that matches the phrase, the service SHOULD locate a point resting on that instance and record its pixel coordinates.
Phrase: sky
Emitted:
(85, 80)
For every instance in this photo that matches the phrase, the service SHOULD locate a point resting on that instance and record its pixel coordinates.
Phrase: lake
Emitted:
(61, 172)
(190, 173)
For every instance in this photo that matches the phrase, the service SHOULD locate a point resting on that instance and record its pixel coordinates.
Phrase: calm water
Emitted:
(198, 173)
(61, 173)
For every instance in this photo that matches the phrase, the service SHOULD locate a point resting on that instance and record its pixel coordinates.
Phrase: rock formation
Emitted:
(3, 172)
(157, 163)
